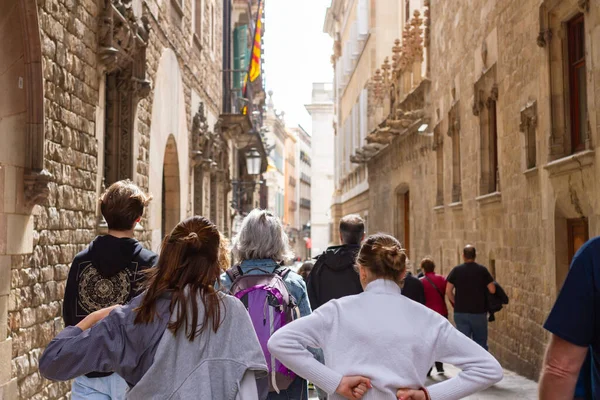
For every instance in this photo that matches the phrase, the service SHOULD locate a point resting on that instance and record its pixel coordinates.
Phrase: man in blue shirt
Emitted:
(575, 328)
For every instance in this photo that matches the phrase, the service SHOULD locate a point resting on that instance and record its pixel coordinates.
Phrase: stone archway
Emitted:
(171, 202)
(168, 123)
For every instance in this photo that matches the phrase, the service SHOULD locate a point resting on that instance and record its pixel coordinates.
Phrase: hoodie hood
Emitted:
(110, 254)
(340, 257)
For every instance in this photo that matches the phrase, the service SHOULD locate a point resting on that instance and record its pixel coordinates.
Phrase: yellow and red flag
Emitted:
(254, 68)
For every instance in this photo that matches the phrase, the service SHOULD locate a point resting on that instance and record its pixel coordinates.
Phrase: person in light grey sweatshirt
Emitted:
(384, 336)
(180, 339)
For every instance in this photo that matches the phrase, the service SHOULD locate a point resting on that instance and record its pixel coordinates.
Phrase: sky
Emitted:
(296, 54)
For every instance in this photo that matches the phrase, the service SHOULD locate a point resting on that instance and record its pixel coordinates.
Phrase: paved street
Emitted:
(512, 387)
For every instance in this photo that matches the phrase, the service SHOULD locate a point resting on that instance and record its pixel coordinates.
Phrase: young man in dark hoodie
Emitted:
(334, 275)
(108, 272)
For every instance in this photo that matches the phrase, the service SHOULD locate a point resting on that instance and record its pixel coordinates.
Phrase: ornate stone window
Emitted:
(438, 145)
(454, 133)
(562, 33)
(528, 127)
(123, 42)
(485, 107)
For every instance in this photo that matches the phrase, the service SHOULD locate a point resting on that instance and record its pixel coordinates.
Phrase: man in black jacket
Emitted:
(108, 272)
(334, 274)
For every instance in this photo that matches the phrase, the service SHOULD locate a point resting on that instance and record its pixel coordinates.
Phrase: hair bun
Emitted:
(394, 257)
(192, 239)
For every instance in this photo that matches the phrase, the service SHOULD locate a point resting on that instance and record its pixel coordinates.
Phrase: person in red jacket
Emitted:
(435, 298)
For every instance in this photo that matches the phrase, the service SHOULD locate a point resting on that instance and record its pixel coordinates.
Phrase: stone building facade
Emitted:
(363, 32)
(93, 92)
(321, 110)
(489, 122)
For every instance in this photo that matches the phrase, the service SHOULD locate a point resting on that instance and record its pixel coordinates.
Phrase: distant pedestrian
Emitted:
(334, 274)
(575, 326)
(467, 288)
(435, 295)
(305, 270)
(108, 272)
(384, 336)
(413, 288)
(263, 284)
(181, 339)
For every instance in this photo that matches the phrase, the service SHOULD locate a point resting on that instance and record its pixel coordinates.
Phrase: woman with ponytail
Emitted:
(385, 338)
(181, 338)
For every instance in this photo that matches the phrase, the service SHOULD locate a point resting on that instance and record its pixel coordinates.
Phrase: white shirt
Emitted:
(388, 338)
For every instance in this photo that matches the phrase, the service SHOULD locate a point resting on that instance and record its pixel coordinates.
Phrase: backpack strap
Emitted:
(282, 271)
(234, 273)
(435, 287)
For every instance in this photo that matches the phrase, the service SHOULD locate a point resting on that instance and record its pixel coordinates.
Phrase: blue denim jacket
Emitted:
(294, 282)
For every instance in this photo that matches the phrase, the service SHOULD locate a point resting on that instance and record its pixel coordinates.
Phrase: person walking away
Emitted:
(108, 272)
(273, 294)
(382, 335)
(334, 274)
(413, 288)
(467, 287)
(575, 328)
(434, 286)
(305, 270)
(180, 339)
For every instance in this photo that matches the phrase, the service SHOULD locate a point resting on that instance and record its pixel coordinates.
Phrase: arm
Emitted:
(479, 368)
(421, 293)
(248, 389)
(289, 345)
(312, 289)
(561, 369)
(450, 292)
(303, 302)
(491, 288)
(70, 297)
(95, 344)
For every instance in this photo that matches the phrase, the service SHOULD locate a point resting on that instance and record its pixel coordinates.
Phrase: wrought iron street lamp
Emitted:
(253, 161)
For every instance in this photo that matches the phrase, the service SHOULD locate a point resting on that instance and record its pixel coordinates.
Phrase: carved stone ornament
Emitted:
(454, 120)
(494, 92)
(544, 37)
(484, 54)
(123, 41)
(36, 187)
(584, 5)
(528, 117)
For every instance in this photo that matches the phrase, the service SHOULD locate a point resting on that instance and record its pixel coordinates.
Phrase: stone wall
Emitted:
(517, 231)
(56, 231)
(66, 223)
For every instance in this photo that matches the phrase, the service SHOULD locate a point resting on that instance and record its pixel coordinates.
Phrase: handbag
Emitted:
(435, 287)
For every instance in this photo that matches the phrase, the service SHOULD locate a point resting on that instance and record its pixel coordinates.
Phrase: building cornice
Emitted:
(319, 107)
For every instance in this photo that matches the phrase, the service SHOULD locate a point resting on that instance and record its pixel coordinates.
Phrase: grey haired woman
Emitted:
(262, 246)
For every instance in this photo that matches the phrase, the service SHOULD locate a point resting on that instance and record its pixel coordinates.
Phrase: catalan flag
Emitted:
(254, 68)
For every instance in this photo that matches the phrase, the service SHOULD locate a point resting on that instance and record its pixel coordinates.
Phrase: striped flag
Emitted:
(254, 68)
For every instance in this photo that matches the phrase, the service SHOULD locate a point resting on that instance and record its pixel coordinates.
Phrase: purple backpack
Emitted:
(271, 307)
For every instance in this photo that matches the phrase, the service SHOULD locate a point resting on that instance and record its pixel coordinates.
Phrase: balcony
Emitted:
(304, 178)
(304, 203)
